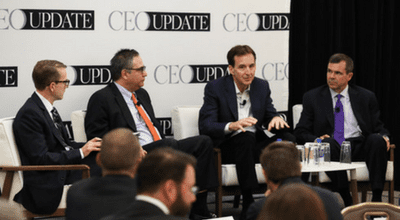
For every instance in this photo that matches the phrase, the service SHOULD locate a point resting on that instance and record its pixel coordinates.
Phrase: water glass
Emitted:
(345, 152)
(312, 154)
(301, 150)
(327, 152)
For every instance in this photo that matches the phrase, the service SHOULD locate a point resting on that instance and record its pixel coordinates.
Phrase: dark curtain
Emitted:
(367, 31)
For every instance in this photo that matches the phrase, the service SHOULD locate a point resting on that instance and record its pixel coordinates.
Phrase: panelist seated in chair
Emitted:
(97, 197)
(235, 109)
(341, 111)
(125, 104)
(41, 139)
(282, 168)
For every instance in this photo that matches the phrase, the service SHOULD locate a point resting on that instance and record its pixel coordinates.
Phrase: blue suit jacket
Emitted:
(40, 143)
(317, 117)
(220, 106)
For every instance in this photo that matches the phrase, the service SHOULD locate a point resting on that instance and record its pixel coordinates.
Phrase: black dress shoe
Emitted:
(194, 216)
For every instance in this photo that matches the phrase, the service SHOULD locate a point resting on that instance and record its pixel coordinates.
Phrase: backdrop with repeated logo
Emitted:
(182, 43)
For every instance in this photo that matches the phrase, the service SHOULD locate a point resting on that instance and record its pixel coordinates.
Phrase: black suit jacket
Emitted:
(141, 210)
(40, 143)
(108, 110)
(98, 197)
(317, 117)
(331, 203)
(220, 106)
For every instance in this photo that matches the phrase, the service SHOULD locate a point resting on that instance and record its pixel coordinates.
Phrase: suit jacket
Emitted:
(317, 117)
(107, 110)
(40, 143)
(141, 210)
(98, 197)
(330, 200)
(220, 107)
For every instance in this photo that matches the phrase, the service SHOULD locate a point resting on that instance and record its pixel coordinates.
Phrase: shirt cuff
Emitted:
(226, 129)
(80, 150)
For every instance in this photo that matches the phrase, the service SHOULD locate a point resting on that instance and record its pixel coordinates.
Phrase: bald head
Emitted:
(120, 150)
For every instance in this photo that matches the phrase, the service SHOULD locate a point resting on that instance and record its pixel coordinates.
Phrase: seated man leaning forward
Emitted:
(236, 108)
(125, 104)
(97, 197)
(281, 167)
(42, 140)
(166, 187)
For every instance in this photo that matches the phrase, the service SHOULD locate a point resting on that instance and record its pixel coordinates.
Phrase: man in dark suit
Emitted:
(281, 167)
(166, 187)
(97, 197)
(235, 110)
(362, 126)
(114, 107)
(42, 140)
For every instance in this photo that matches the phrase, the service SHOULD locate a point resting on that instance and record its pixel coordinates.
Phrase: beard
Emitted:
(179, 207)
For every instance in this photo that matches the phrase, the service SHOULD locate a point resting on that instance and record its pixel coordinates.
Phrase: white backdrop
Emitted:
(168, 54)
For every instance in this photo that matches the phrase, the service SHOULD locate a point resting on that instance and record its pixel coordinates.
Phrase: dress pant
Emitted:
(244, 150)
(372, 150)
(201, 148)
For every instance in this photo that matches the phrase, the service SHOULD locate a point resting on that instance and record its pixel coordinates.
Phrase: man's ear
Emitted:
(231, 69)
(171, 190)
(98, 159)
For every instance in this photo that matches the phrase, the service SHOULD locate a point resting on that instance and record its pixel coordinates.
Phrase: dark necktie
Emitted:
(58, 123)
(338, 135)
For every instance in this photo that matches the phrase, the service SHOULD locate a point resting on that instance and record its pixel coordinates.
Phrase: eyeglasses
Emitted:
(141, 69)
(195, 190)
(66, 82)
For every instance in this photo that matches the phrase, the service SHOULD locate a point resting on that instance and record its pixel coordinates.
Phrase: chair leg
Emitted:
(236, 201)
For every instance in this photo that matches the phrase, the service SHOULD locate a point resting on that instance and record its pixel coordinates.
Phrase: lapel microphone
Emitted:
(243, 103)
(337, 109)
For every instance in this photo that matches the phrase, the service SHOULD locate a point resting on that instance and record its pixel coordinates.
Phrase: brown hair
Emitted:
(239, 50)
(45, 72)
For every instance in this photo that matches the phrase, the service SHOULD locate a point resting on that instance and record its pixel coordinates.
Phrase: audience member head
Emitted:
(122, 60)
(280, 160)
(293, 201)
(338, 57)
(239, 50)
(169, 176)
(120, 152)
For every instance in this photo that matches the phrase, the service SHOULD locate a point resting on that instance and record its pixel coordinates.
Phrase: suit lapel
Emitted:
(355, 101)
(49, 121)
(126, 113)
(326, 105)
(230, 95)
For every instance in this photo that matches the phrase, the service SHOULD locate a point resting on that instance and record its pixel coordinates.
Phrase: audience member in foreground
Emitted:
(281, 167)
(42, 139)
(166, 187)
(293, 201)
(97, 197)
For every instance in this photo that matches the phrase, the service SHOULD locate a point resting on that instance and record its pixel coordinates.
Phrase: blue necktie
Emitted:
(338, 135)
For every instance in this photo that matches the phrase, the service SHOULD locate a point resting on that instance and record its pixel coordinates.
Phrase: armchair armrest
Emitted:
(10, 170)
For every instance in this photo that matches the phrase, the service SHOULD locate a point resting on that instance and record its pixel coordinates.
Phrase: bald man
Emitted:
(96, 197)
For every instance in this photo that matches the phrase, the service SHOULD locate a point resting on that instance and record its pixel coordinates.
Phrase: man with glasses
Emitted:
(166, 187)
(41, 139)
(124, 103)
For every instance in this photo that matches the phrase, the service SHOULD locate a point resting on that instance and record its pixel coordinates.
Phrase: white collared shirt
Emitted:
(244, 109)
(153, 201)
(145, 136)
(50, 107)
(351, 127)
